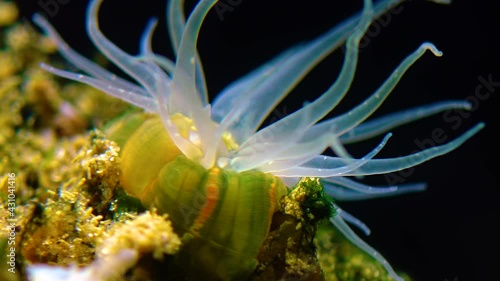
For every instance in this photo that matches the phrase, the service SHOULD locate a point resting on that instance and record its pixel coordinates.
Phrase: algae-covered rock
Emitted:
(289, 252)
(120, 252)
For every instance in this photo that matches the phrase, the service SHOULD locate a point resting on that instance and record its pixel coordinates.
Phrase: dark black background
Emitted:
(445, 233)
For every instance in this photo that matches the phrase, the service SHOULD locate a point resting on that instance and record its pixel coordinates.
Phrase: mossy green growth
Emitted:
(341, 260)
(289, 252)
(312, 205)
(124, 204)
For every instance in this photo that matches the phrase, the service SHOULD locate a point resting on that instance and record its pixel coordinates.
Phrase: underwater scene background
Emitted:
(443, 233)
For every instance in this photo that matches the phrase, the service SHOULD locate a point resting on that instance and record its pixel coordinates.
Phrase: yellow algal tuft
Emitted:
(100, 163)
(146, 234)
(62, 232)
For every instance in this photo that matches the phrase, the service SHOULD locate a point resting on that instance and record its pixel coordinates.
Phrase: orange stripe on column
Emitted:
(212, 186)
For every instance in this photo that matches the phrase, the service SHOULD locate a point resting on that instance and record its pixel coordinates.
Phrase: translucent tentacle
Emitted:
(230, 100)
(297, 154)
(342, 226)
(288, 77)
(290, 181)
(275, 156)
(385, 123)
(350, 184)
(176, 24)
(383, 166)
(352, 220)
(108, 87)
(339, 149)
(282, 81)
(339, 170)
(188, 148)
(312, 56)
(304, 154)
(185, 98)
(352, 118)
(83, 63)
(129, 64)
(160, 60)
(344, 194)
(148, 61)
(146, 38)
(290, 125)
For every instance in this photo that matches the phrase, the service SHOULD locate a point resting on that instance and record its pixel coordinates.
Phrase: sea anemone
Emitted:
(228, 133)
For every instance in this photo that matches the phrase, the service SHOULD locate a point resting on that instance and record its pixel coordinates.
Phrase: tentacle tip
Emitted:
(38, 19)
(153, 21)
(467, 105)
(387, 137)
(479, 126)
(421, 187)
(416, 187)
(474, 130)
(432, 48)
(45, 66)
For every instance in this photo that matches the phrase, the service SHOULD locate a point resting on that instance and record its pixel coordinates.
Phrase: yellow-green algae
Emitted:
(341, 260)
(71, 211)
